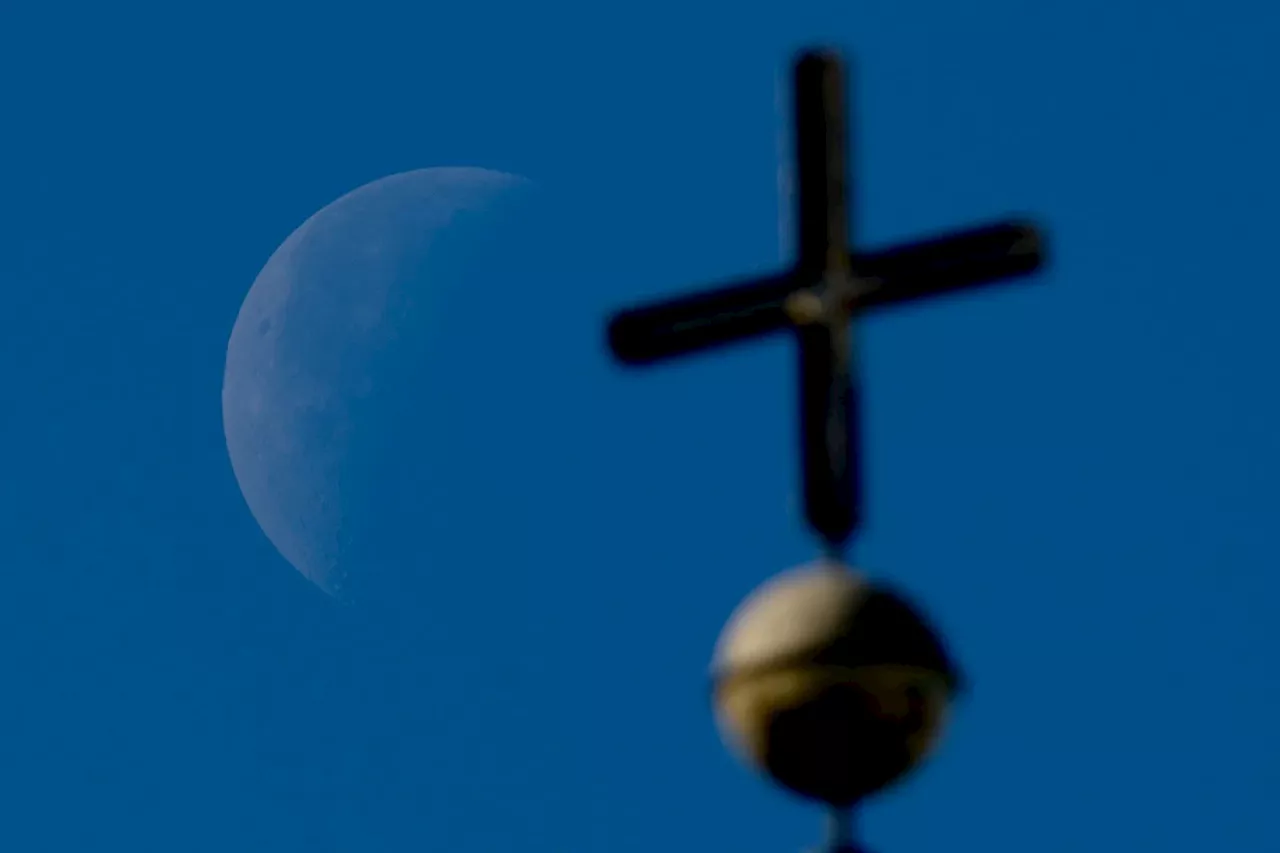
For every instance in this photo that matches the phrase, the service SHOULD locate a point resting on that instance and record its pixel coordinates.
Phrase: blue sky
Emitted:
(1074, 477)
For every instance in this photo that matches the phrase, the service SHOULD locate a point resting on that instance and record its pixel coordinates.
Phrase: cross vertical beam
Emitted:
(821, 166)
(828, 445)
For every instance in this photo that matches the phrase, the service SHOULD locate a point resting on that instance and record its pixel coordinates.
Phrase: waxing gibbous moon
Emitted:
(338, 319)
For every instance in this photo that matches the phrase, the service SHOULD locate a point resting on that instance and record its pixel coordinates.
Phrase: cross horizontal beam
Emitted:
(987, 255)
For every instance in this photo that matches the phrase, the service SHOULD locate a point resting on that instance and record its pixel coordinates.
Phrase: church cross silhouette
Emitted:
(826, 286)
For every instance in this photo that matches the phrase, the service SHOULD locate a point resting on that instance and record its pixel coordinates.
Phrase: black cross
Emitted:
(819, 295)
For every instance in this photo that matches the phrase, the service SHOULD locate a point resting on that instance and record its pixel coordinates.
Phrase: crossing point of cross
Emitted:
(826, 286)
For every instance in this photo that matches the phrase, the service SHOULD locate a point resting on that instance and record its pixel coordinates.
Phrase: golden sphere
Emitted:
(832, 685)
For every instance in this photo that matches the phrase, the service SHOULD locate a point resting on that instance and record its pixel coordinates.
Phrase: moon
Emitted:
(344, 316)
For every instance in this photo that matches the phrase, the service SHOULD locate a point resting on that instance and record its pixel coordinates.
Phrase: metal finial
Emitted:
(833, 686)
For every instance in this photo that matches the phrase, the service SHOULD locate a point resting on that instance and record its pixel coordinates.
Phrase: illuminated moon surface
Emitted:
(337, 324)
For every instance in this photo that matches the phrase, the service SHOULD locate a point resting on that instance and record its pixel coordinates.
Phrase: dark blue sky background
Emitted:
(1075, 477)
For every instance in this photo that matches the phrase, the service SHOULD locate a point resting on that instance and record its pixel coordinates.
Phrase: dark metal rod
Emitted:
(841, 837)
(822, 192)
(977, 256)
(974, 257)
(685, 324)
(828, 446)
(829, 434)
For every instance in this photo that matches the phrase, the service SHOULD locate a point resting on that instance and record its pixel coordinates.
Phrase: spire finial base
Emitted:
(840, 832)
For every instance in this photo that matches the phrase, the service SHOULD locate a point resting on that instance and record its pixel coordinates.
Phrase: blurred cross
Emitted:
(819, 295)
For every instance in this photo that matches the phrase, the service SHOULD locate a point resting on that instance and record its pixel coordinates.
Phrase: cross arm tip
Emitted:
(818, 56)
(627, 337)
(1027, 240)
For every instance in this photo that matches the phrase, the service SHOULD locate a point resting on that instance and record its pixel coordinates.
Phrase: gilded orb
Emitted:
(832, 685)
